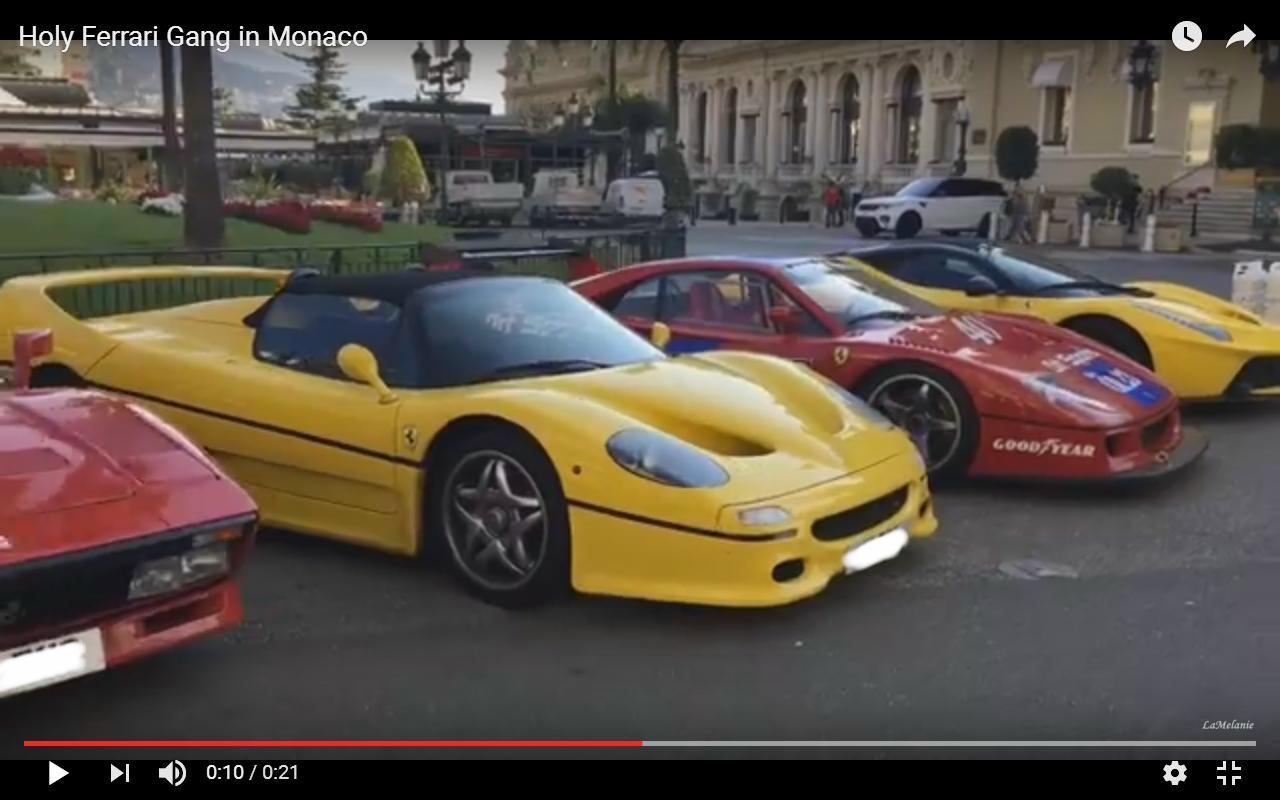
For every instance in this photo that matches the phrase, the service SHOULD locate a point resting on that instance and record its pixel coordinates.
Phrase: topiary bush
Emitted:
(675, 178)
(1247, 147)
(1113, 183)
(404, 179)
(1017, 153)
(16, 180)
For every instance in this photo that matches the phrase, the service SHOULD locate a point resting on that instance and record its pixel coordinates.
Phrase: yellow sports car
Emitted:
(1201, 346)
(507, 424)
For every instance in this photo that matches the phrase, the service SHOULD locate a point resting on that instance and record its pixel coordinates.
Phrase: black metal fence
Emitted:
(550, 257)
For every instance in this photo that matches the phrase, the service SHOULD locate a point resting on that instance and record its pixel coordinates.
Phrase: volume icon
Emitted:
(175, 773)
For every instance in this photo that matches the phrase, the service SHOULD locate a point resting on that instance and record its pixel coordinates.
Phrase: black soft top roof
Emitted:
(389, 287)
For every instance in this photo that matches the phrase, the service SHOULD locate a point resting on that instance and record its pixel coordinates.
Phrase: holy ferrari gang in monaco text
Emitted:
(221, 40)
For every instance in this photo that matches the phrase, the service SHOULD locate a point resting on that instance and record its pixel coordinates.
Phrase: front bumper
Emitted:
(1152, 448)
(143, 631)
(630, 556)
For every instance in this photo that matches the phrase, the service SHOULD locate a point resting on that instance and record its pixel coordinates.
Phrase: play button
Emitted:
(56, 773)
(115, 773)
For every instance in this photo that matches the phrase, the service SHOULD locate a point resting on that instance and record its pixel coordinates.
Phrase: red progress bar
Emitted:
(335, 743)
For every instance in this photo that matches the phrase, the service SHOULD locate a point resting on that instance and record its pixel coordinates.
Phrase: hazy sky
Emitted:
(382, 69)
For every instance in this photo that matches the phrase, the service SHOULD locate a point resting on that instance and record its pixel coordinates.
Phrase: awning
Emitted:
(1051, 73)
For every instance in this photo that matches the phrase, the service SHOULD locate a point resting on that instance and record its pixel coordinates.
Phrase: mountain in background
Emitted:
(261, 82)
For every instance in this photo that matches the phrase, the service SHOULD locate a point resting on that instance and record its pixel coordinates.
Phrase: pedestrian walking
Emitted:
(832, 201)
(1019, 217)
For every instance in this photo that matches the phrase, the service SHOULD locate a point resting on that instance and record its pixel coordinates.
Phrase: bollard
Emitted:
(1086, 226)
(1043, 236)
(1149, 236)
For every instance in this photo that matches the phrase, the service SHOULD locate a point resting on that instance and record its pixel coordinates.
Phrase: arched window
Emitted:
(848, 119)
(797, 119)
(910, 103)
(731, 126)
(700, 123)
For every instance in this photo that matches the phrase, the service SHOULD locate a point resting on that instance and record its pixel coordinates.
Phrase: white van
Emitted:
(635, 199)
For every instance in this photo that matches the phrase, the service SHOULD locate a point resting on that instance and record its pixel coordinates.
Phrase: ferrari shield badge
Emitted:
(841, 355)
(5, 544)
(410, 436)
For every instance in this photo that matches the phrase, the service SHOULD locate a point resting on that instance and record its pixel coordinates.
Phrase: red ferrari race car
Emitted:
(118, 537)
(981, 394)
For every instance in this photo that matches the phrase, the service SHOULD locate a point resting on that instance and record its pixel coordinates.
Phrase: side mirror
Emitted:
(361, 366)
(660, 336)
(27, 347)
(785, 318)
(980, 286)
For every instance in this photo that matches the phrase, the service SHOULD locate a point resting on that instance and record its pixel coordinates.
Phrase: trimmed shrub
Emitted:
(404, 179)
(1017, 153)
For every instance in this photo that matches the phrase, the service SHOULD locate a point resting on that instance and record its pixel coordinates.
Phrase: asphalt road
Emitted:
(1172, 622)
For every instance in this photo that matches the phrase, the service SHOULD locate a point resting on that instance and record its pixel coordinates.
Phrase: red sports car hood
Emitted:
(64, 450)
(1024, 366)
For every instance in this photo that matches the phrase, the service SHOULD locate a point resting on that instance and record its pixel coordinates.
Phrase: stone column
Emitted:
(872, 144)
(822, 123)
(928, 123)
(772, 127)
(813, 86)
(738, 141)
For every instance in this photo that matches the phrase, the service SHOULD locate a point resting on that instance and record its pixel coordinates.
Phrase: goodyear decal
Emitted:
(1141, 391)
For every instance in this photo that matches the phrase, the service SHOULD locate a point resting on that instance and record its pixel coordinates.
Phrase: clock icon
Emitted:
(1187, 36)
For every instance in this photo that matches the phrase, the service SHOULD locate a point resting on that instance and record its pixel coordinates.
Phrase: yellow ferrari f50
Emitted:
(508, 425)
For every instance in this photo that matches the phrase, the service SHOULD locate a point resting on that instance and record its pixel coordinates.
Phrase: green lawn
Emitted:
(73, 227)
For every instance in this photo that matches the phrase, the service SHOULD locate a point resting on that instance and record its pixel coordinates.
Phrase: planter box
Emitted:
(1107, 235)
(1246, 178)
(1168, 240)
(1061, 232)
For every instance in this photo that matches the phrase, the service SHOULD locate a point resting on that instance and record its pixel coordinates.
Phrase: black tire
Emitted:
(1114, 334)
(867, 228)
(548, 578)
(909, 224)
(944, 388)
(984, 227)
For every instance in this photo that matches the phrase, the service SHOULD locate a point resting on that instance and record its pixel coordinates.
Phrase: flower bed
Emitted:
(287, 215)
(366, 218)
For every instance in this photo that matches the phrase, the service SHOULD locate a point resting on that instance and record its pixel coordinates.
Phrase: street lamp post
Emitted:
(448, 70)
(1142, 64)
(962, 122)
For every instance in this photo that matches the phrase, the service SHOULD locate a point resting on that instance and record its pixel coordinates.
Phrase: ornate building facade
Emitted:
(781, 116)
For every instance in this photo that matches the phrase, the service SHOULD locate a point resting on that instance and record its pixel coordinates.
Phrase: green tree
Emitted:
(1113, 183)
(1017, 153)
(202, 220)
(223, 103)
(634, 113)
(675, 178)
(321, 103)
(403, 178)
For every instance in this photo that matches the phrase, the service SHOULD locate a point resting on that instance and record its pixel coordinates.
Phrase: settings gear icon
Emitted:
(1175, 773)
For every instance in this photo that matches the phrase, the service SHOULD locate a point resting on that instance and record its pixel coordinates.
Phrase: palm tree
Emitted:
(171, 166)
(673, 84)
(203, 225)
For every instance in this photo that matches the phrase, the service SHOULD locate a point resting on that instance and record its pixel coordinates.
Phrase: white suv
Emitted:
(949, 205)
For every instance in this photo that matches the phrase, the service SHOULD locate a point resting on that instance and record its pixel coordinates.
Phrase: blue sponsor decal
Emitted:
(1143, 392)
(685, 345)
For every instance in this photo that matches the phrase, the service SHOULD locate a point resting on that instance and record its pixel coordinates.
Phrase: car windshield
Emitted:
(853, 294)
(501, 328)
(1032, 273)
(922, 187)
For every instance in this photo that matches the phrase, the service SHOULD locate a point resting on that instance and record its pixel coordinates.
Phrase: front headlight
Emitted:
(664, 459)
(859, 406)
(1212, 331)
(764, 515)
(174, 573)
